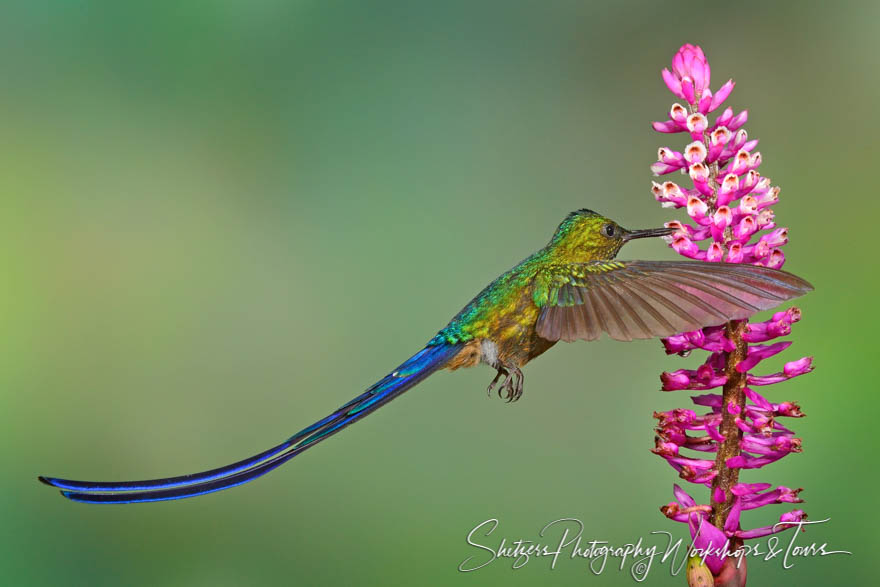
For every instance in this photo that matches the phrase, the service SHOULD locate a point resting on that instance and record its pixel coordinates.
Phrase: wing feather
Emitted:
(612, 308)
(661, 323)
(646, 299)
(635, 312)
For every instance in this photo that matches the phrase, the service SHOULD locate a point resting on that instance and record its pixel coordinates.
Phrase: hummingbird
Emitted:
(571, 289)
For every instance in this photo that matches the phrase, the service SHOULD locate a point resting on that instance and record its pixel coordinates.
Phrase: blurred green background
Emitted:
(223, 219)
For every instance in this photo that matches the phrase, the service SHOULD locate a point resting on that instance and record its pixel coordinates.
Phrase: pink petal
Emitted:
(708, 538)
(672, 82)
(668, 127)
(721, 95)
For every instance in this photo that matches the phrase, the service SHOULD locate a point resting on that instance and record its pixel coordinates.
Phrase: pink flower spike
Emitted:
(721, 95)
(730, 205)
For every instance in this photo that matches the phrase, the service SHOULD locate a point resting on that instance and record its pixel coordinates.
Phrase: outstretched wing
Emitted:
(647, 299)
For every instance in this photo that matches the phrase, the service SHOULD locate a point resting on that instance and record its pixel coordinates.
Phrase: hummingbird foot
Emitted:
(513, 385)
(502, 372)
(509, 380)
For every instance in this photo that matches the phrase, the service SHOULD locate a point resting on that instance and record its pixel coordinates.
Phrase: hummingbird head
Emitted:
(585, 236)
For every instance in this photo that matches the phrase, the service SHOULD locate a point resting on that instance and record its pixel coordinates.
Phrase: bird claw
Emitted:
(501, 372)
(512, 384)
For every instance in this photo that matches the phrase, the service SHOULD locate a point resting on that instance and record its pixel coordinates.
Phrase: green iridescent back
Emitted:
(578, 239)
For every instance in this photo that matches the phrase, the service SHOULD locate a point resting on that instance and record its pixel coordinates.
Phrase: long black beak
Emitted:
(629, 235)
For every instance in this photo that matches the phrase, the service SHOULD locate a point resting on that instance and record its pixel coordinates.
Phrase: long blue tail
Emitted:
(410, 373)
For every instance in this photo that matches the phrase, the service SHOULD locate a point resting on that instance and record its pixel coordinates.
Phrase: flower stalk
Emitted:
(731, 221)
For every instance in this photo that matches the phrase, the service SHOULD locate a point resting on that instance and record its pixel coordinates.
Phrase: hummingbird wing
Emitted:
(647, 299)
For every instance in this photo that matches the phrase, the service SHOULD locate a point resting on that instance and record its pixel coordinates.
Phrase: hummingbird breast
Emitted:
(507, 337)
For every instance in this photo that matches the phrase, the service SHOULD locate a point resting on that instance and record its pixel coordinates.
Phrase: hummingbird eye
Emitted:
(608, 229)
